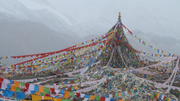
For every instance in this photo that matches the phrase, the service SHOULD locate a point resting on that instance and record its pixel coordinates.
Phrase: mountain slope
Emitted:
(24, 37)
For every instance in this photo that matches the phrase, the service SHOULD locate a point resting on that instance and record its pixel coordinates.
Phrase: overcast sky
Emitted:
(150, 16)
(158, 18)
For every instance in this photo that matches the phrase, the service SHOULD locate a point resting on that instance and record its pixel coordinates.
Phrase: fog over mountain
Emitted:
(32, 26)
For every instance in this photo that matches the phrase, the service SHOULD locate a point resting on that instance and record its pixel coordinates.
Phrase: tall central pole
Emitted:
(119, 17)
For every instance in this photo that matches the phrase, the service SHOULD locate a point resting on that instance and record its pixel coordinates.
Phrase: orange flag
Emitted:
(41, 89)
(13, 88)
(67, 94)
(17, 84)
(93, 97)
(57, 99)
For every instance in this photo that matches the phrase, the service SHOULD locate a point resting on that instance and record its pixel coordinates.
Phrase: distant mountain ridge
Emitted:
(24, 37)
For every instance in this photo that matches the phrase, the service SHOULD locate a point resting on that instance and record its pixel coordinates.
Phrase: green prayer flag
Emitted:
(72, 94)
(98, 98)
(152, 96)
(47, 90)
(18, 89)
(22, 84)
(42, 94)
(117, 94)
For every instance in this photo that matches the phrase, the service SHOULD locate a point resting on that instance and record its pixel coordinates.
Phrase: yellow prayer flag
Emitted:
(157, 96)
(47, 98)
(36, 98)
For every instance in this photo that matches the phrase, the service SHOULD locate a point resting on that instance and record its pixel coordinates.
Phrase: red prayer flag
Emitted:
(78, 94)
(103, 99)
